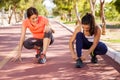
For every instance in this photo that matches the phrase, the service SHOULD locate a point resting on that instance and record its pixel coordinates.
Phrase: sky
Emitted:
(49, 4)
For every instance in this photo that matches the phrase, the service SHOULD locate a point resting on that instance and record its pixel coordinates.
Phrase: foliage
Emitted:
(83, 7)
(38, 4)
(22, 5)
(110, 12)
(7, 3)
(117, 4)
(63, 5)
(67, 6)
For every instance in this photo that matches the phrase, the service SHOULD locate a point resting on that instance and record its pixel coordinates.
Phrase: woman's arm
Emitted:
(71, 42)
(22, 37)
(20, 45)
(48, 28)
(96, 40)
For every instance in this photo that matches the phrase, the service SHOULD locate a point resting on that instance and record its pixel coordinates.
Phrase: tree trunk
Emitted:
(102, 16)
(15, 15)
(92, 7)
(10, 17)
(77, 14)
(2, 16)
(69, 15)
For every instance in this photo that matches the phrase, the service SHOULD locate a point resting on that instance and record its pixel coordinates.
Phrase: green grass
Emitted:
(69, 22)
(113, 26)
(113, 40)
(109, 26)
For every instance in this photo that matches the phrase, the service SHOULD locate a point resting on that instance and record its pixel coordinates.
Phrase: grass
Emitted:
(69, 22)
(113, 40)
(115, 26)
(112, 25)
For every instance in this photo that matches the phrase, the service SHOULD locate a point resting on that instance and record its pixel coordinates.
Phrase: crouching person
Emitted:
(87, 36)
(42, 35)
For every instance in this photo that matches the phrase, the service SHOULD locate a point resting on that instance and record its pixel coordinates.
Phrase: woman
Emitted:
(87, 36)
(42, 35)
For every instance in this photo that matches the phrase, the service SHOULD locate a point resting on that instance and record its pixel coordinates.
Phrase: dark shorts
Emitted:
(31, 42)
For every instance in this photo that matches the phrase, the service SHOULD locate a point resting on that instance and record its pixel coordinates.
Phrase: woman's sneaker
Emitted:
(38, 56)
(93, 58)
(38, 52)
(79, 63)
(42, 60)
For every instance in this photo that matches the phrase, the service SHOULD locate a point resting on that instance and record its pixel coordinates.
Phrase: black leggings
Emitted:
(83, 43)
(31, 42)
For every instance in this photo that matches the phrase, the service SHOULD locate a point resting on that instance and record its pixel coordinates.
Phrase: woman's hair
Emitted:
(31, 11)
(89, 19)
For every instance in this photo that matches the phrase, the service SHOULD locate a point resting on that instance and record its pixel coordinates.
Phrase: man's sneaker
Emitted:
(93, 58)
(79, 63)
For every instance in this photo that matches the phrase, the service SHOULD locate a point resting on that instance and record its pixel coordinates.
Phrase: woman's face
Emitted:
(33, 18)
(85, 27)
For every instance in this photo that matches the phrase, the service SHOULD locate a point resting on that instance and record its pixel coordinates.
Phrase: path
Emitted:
(59, 64)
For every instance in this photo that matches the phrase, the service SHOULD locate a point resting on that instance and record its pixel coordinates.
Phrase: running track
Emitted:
(59, 65)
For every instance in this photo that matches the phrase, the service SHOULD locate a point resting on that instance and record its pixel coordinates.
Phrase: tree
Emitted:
(102, 16)
(92, 6)
(11, 5)
(76, 12)
(21, 5)
(38, 4)
(64, 6)
(117, 4)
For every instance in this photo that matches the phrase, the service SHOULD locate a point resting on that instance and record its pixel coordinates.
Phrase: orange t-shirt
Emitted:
(38, 30)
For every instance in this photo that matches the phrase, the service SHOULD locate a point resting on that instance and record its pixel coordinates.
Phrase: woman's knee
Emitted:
(105, 49)
(28, 44)
(79, 35)
(102, 48)
(48, 34)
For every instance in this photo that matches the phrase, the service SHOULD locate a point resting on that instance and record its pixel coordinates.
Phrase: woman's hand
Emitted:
(47, 29)
(17, 57)
(85, 55)
(74, 57)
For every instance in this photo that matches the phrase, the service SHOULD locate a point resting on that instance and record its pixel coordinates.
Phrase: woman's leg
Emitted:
(81, 43)
(48, 40)
(34, 43)
(101, 49)
(31, 43)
